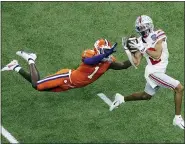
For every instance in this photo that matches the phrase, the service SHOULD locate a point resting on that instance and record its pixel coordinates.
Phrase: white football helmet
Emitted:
(144, 25)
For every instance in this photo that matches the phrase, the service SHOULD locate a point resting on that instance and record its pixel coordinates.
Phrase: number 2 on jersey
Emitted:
(94, 72)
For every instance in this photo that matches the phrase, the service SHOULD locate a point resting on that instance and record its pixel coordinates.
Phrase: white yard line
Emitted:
(8, 136)
(105, 98)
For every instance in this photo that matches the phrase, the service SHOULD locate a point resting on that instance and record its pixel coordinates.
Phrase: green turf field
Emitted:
(58, 32)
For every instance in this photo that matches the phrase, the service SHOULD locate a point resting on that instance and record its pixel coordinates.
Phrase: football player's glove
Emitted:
(127, 51)
(124, 43)
(139, 45)
(110, 51)
(131, 48)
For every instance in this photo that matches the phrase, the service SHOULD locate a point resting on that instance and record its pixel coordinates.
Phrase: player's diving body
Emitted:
(153, 46)
(94, 64)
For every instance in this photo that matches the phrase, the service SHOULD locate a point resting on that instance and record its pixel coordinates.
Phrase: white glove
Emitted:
(138, 45)
(124, 43)
(127, 51)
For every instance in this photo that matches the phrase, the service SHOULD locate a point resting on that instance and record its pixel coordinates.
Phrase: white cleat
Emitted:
(26, 55)
(178, 122)
(11, 66)
(119, 99)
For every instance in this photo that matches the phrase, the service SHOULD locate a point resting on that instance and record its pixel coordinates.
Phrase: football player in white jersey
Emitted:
(153, 46)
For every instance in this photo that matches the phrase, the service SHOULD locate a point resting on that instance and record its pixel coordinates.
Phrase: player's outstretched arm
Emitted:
(120, 65)
(98, 58)
(126, 64)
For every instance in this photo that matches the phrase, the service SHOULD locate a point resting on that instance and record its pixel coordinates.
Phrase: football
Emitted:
(129, 40)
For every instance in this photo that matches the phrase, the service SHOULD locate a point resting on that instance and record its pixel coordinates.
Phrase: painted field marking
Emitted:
(105, 98)
(8, 136)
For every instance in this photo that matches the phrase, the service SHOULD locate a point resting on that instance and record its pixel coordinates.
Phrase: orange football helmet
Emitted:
(101, 45)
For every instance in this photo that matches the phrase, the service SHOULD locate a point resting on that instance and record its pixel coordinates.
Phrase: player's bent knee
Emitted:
(179, 88)
(35, 86)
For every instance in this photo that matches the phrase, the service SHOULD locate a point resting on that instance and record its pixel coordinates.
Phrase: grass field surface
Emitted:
(58, 32)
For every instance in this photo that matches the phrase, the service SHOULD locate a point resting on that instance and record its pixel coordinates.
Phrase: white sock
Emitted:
(123, 99)
(17, 69)
(178, 116)
(31, 61)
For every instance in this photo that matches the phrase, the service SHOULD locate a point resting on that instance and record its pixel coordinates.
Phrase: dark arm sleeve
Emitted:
(120, 65)
(94, 60)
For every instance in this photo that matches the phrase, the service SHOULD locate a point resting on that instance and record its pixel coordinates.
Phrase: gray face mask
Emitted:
(145, 34)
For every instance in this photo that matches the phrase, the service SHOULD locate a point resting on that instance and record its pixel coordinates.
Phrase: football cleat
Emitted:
(26, 55)
(11, 66)
(178, 122)
(119, 99)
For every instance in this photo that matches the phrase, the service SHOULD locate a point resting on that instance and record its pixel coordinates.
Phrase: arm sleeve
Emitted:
(90, 58)
(94, 60)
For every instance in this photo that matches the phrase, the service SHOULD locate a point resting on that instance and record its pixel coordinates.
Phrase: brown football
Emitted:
(130, 39)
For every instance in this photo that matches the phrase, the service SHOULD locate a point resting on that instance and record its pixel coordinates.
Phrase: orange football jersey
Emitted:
(86, 74)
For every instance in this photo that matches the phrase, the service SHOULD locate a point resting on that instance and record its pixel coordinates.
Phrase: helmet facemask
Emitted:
(144, 25)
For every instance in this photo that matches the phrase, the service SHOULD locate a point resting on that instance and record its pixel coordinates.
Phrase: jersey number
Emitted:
(94, 72)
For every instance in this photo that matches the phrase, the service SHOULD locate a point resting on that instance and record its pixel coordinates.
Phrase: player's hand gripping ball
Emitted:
(132, 38)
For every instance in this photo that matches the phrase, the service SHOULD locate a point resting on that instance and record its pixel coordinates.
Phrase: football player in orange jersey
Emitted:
(94, 64)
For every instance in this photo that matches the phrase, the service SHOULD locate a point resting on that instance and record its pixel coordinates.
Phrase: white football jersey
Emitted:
(160, 64)
(151, 41)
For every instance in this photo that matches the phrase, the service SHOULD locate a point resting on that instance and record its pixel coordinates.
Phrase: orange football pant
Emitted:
(57, 82)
